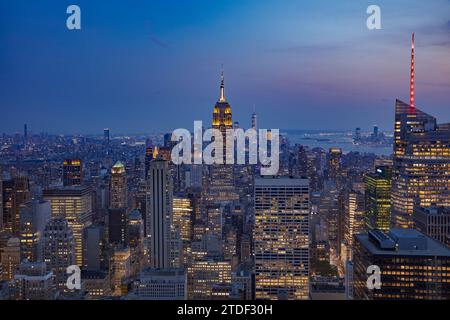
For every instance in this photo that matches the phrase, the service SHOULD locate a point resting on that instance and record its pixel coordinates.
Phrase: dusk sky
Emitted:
(144, 66)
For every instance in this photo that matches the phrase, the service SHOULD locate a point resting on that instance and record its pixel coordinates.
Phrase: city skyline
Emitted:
(130, 70)
(347, 200)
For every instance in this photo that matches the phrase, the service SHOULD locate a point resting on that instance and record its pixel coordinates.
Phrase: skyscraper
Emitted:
(301, 163)
(148, 159)
(16, 192)
(221, 181)
(375, 132)
(135, 240)
(106, 136)
(120, 269)
(72, 172)
(74, 204)
(135, 229)
(222, 118)
(118, 204)
(183, 214)
(354, 218)
(25, 132)
(118, 186)
(331, 210)
(1, 199)
(117, 225)
(378, 198)
(281, 238)
(34, 216)
(421, 171)
(254, 121)
(94, 248)
(159, 212)
(334, 163)
(59, 249)
(357, 136)
(10, 258)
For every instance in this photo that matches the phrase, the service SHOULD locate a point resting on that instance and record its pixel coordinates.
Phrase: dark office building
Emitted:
(72, 172)
(412, 266)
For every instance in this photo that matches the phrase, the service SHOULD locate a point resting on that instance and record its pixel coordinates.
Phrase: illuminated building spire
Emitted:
(411, 88)
(222, 87)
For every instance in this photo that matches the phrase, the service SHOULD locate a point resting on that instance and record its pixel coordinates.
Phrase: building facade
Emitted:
(378, 198)
(434, 222)
(75, 205)
(159, 212)
(281, 238)
(72, 172)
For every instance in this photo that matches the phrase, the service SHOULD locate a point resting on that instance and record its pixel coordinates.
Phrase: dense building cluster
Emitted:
(140, 227)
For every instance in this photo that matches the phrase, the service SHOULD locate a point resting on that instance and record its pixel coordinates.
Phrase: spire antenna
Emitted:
(412, 85)
(222, 86)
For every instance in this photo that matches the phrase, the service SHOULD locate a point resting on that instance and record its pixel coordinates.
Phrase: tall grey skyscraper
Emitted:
(94, 248)
(159, 212)
(281, 238)
(59, 249)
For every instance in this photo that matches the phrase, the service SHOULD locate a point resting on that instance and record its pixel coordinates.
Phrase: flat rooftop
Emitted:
(433, 210)
(407, 242)
(281, 181)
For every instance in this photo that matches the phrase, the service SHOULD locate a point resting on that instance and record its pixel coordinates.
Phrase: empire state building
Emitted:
(222, 118)
(221, 175)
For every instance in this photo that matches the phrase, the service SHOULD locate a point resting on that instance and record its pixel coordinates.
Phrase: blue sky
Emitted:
(145, 66)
